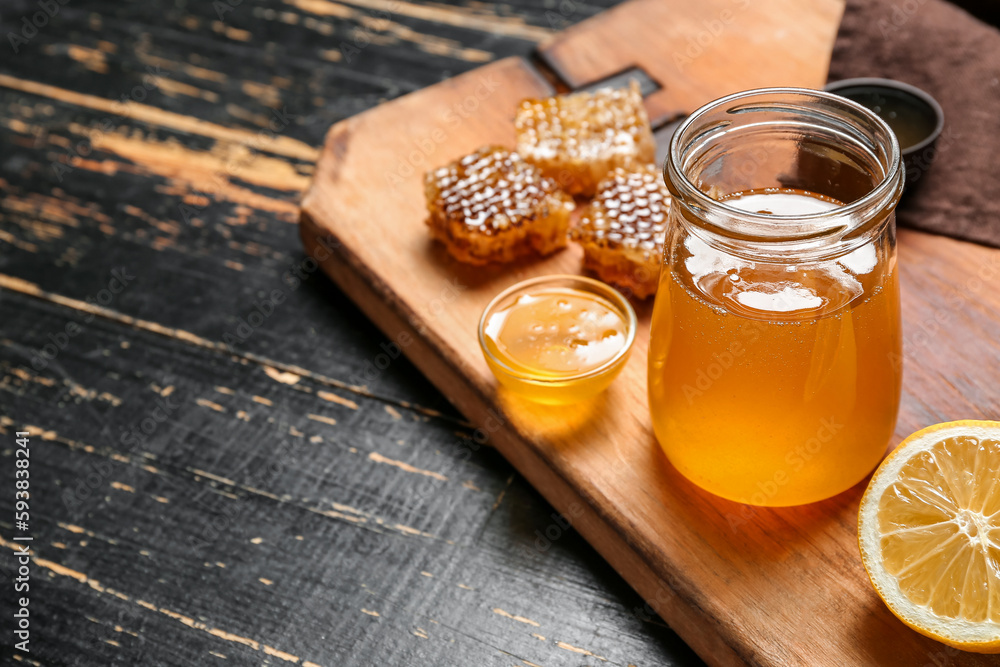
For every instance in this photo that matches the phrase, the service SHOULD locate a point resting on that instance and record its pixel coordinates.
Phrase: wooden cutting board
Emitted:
(740, 585)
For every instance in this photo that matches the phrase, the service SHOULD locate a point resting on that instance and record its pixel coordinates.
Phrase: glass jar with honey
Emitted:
(775, 353)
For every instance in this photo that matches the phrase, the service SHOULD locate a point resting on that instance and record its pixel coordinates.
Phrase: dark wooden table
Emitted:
(229, 464)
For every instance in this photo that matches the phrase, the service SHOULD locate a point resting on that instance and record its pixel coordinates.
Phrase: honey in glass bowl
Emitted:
(557, 339)
(774, 362)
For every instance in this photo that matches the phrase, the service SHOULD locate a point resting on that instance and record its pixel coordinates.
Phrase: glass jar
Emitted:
(775, 354)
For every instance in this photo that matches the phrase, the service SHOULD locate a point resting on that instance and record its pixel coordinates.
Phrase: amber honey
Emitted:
(775, 384)
(557, 340)
(492, 206)
(578, 139)
(622, 229)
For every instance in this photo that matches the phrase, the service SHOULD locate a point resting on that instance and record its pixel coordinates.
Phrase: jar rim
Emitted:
(761, 227)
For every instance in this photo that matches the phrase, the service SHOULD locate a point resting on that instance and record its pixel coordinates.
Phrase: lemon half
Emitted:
(929, 530)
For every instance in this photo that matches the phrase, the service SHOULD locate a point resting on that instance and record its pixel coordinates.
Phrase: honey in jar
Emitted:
(774, 361)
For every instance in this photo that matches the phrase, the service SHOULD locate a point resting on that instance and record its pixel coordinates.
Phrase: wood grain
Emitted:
(700, 51)
(189, 192)
(741, 585)
(278, 512)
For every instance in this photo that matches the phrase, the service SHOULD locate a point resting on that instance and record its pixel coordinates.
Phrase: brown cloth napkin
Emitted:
(936, 46)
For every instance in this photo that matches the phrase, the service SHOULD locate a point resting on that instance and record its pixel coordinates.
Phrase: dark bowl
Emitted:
(915, 117)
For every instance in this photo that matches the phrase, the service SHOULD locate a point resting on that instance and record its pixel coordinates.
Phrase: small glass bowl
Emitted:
(571, 387)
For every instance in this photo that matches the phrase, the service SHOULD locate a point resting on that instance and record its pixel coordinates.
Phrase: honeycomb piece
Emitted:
(623, 228)
(492, 206)
(578, 139)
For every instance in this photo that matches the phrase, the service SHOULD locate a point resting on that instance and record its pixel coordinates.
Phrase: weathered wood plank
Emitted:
(314, 514)
(770, 586)
(195, 174)
(198, 265)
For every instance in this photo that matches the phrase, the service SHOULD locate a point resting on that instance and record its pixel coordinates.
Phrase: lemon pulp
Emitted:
(940, 526)
(929, 532)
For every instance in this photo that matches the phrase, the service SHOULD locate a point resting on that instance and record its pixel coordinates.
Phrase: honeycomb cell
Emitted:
(623, 228)
(579, 139)
(492, 206)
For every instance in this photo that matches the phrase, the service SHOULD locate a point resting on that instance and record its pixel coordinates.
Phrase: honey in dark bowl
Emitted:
(913, 115)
